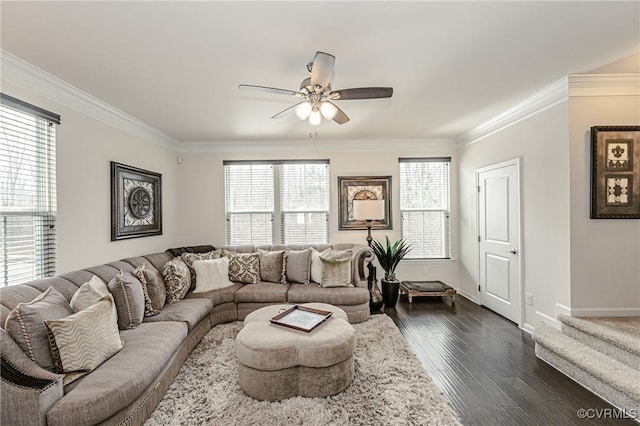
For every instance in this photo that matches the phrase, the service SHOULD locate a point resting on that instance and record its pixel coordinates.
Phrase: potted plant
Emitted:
(389, 255)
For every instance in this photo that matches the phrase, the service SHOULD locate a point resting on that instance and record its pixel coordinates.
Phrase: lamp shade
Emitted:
(368, 209)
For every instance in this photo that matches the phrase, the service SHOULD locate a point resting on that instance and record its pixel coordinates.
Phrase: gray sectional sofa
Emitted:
(127, 387)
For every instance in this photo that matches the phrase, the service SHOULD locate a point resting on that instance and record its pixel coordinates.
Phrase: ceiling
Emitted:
(453, 65)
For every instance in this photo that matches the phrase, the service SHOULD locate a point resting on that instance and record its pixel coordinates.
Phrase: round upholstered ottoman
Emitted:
(276, 362)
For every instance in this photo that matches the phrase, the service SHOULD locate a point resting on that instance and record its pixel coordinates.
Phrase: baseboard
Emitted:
(540, 317)
(468, 296)
(528, 328)
(605, 312)
(562, 310)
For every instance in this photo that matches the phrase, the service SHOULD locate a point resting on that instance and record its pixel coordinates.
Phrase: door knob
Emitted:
(513, 251)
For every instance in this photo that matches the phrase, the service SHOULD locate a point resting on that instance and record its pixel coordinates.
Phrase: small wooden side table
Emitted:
(427, 288)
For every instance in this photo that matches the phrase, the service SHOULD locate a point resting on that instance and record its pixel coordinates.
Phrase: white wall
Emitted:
(202, 190)
(605, 253)
(85, 147)
(541, 144)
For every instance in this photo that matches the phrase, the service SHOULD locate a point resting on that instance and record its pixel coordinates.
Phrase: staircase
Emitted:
(601, 354)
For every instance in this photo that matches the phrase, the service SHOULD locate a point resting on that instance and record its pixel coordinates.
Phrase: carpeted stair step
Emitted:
(612, 380)
(617, 337)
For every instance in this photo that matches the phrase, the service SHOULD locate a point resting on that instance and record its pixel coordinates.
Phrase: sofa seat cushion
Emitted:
(339, 296)
(190, 311)
(262, 292)
(218, 297)
(121, 379)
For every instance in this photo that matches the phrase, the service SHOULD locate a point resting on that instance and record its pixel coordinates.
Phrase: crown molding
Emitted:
(32, 78)
(582, 85)
(546, 98)
(571, 86)
(316, 145)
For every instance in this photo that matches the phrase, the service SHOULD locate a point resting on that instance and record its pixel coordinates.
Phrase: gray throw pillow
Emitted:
(272, 266)
(244, 267)
(336, 268)
(189, 258)
(177, 279)
(298, 267)
(129, 298)
(25, 324)
(149, 279)
(84, 340)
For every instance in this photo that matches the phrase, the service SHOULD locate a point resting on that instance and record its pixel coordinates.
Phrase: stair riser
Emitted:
(607, 348)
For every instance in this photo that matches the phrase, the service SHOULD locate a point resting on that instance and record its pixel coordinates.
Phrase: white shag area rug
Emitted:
(390, 387)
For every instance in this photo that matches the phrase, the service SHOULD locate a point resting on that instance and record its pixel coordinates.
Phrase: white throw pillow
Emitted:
(211, 274)
(89, 293)
(316, 265)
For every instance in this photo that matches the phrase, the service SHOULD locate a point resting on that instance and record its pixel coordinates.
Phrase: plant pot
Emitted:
(375, 296)
(390, 292)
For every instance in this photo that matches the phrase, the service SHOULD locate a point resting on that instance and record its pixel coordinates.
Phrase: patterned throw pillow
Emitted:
(336, 268)
(298, 266)
(213, 274)
(272, 266)
(128, 295)
(141, 273)
(189, 258)
(25, 324)
(177, 279)
(244, 267)
(84, 340)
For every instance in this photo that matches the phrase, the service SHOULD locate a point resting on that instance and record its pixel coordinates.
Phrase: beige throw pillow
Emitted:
(154, 285)
(149, 309)
(272, 266)
(128, 295)
(336, 268)
(89, 293)
(316, 266)
(211, 274)
(84, 340)
(298, 266)
(177, 279)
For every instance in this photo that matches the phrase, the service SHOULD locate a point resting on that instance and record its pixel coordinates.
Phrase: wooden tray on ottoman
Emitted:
(427, 288)
(301, 318)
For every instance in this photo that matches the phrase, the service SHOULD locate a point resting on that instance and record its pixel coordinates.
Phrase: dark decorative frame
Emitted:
(368, 187)
(615, 172)
(136, 202)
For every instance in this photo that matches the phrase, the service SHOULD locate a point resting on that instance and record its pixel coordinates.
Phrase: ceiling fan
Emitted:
(317, 96)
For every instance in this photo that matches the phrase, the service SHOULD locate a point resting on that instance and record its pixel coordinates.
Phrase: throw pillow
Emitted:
(155, 285)
(89, 293)
(272, 266)
(84, 340)
(298, 266)
(211, 274)
(189, 258)
(316, 266)
(129, 298)
(177, 279)
(336, 268)
(149, 310)
(244, 267)
(25, 324)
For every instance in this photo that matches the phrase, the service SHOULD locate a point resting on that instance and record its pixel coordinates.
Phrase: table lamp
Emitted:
(368, 210)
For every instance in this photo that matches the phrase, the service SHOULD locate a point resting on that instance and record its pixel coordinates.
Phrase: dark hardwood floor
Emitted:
(487, 369)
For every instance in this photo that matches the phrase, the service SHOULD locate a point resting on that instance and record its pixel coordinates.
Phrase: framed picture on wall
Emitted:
(363, 188)
(136, 202)
(615, 172)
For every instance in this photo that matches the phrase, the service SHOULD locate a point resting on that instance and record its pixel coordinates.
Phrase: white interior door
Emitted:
(499, 238)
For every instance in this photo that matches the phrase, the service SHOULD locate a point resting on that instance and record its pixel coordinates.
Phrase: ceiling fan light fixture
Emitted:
(303, 110)
(328, 110)
(315, 118)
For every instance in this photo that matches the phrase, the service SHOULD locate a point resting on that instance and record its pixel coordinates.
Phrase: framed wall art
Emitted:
(136, 202)
(363, 188)
(615, 172)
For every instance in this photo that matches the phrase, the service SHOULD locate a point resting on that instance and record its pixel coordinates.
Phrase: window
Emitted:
(277, 202)
(27, 191)
(424, 206)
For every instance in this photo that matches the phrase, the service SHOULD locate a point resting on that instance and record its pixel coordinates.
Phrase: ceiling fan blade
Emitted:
(340, 117)
(270, 90)
(287, 112)
(362, 93)
(322, 69)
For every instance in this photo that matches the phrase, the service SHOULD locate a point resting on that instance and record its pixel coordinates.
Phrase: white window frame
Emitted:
(418, 252)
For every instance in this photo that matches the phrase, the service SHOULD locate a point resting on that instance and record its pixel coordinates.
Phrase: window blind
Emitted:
(27, 191)
(424, 206)
(295, 192)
